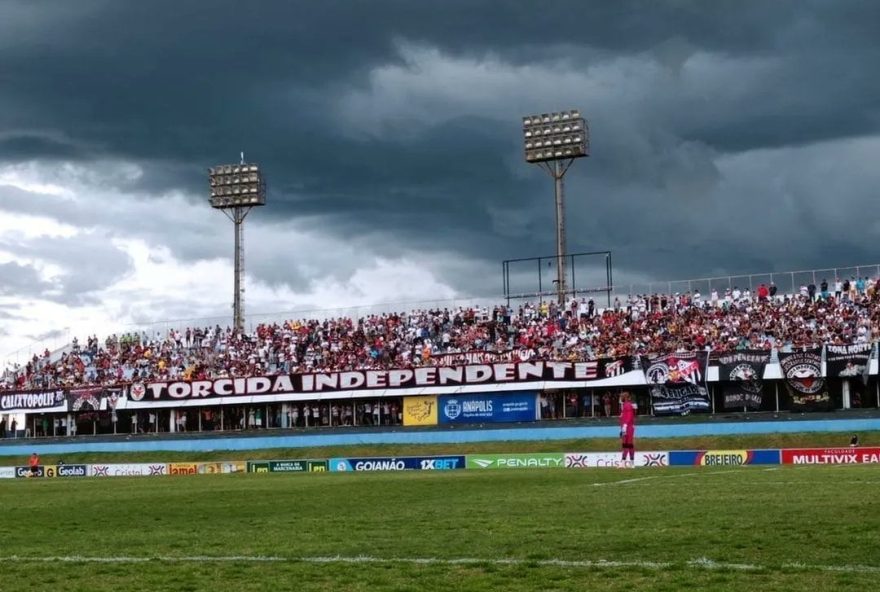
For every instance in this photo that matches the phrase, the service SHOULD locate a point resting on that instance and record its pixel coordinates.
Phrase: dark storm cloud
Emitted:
(178, 86)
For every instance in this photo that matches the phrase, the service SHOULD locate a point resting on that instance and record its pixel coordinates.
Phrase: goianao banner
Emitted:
(831, 456)
(420, 411)
(715, 458)
(538, 460)
(401, 463)
(588, 460)
(128, 470)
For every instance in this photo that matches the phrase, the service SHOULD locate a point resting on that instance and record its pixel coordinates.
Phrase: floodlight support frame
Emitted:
(237, 215)
(557, 169)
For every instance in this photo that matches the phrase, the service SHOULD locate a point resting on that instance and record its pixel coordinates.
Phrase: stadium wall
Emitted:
(456, 436)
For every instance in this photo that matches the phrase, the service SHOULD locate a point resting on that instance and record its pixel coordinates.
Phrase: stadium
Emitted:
(599, 422)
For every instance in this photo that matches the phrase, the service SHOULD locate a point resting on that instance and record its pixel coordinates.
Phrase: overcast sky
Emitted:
(727, 138)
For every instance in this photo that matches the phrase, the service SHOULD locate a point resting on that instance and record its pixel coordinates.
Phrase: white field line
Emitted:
(679, 476)
(701, 563)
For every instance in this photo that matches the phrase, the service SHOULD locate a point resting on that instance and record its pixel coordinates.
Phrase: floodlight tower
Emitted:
(553, 141)
(235, 189)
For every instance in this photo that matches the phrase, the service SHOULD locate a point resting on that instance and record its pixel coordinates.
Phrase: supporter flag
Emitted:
(741, 375)
(848, 361)
(678, 382)
(803, 377)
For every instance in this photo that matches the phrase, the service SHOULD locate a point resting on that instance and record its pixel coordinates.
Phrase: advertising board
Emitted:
(488, 408)
(7, 472)
(723, 458)
(831, 456)
(587, 460)
(257, 466)
(537, 460)
(402, 463)
(183, 468)
(128, 470)
(420, 411)
(222, 468)
(66, 471)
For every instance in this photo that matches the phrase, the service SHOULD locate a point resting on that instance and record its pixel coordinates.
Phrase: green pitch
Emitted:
(788, 528)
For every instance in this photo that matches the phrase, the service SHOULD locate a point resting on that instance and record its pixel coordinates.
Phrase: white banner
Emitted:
(588, 460)
(7, 472)
(128, 470)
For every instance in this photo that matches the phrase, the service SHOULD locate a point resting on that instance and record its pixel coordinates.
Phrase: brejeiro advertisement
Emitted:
(723, 458)
(488, 408)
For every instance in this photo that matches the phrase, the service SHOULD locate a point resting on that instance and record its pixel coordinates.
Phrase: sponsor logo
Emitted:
(342, 465)
(655, 459)
(724, 458)
(831, 456)
(516, 461)
(156, 470)
(439, 464)
(7, 472)
(183, 469)
(71, 470)
(380, 465)
(25, 471)
(100, 471)
(452, 409)
(586, 460)
(317, 466)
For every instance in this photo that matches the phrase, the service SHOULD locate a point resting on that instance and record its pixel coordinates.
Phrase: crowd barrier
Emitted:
(536, 460)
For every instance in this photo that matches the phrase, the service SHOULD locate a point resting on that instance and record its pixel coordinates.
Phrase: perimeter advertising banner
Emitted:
(723, 458)
(221, 468)
(52, 471)
(588, 460)
(128, 470)
(830, 456)
(488, 408)
(400, 463)
(539, 460)
(7, 472)
(420, 411)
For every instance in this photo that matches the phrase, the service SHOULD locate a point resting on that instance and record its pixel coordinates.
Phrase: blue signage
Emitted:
(717, 458)
(487, 408)
(397, 463)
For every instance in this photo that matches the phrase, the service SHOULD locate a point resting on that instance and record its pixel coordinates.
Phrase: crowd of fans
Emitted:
(843, 313)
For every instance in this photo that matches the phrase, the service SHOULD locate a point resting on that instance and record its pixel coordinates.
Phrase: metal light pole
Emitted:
(235, 189)
(553, 141)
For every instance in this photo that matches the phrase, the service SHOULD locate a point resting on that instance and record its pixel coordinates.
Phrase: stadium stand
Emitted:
(658, 323)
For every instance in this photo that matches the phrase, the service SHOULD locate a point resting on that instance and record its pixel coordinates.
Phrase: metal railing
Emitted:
(787, 282)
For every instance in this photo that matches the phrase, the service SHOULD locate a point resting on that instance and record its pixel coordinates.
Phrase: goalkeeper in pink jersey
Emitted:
(627, 430)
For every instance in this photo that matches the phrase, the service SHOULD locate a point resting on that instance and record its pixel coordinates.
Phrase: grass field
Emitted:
(752, 528)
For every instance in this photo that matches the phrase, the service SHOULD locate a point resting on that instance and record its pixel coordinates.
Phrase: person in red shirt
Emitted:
(34, 464)
(627, 430)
